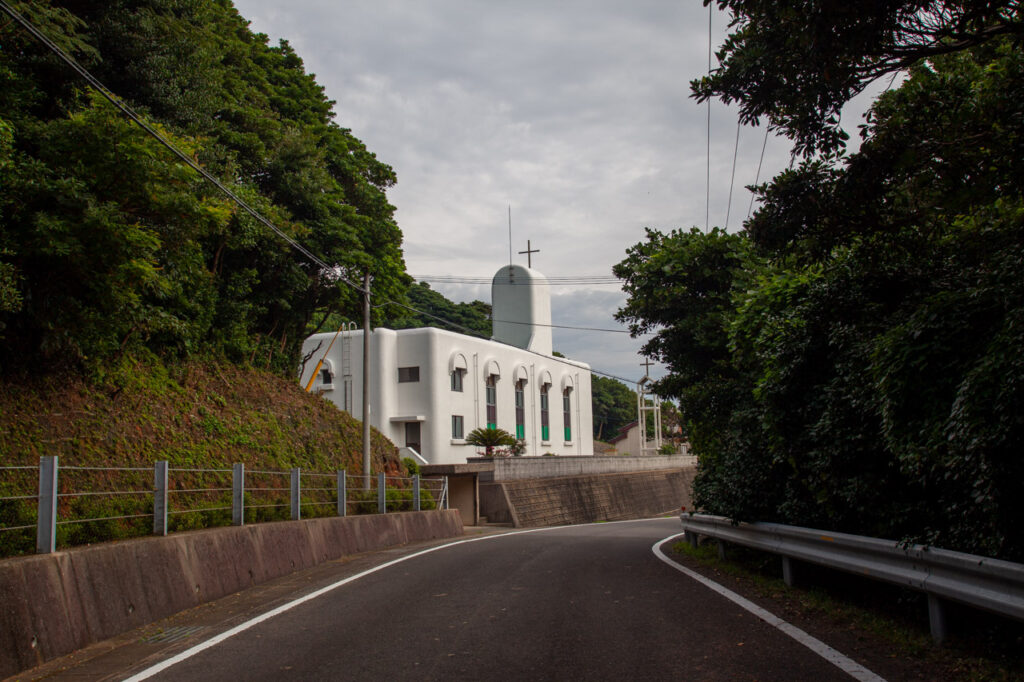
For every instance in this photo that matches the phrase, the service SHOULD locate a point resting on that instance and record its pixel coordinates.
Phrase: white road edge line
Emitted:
(844, 663)
(217, 639)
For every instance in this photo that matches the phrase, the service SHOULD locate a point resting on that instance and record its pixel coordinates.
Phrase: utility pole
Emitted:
(366, 380)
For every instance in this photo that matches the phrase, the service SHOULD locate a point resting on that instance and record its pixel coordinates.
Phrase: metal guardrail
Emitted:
(412, 494)
(989, 584)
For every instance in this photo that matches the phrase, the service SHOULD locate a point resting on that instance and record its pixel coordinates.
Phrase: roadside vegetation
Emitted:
(851, 359)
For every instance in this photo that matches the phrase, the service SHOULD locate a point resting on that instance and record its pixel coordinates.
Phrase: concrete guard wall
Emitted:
(518, 468)
(585, 499)
(53, 604)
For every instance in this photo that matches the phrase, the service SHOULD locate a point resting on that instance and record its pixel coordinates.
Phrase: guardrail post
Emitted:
(721, 550)
(382, 504)
(296, 490)
(342, 493)
(692, 538)
(788, 576)
(160, 498)
(416, 492)
(937, 619)
(238, 494)
(46, 521)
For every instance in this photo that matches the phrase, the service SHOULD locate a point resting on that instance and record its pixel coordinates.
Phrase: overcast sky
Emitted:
(576, 113)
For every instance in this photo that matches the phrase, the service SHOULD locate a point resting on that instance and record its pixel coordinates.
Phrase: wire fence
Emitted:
(49, 506)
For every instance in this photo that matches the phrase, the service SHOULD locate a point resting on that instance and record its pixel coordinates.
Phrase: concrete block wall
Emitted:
(518, 468)
(584, 499)
(53, 604)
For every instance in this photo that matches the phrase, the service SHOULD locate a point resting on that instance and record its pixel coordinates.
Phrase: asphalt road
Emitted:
(575, 603)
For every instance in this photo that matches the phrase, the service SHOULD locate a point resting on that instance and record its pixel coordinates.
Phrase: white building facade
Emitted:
(429, 387)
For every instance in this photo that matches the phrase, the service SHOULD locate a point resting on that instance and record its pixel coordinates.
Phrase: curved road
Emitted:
(571, 603)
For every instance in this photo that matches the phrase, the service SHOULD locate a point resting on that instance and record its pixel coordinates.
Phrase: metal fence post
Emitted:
(416, 492)
(447, 493)
(342, 492)
(382, 505)
(46, 523)
(238, 494)
(160, 498)
(296, 490)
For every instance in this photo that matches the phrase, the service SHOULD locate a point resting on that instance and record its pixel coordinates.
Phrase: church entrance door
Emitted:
(412, 436)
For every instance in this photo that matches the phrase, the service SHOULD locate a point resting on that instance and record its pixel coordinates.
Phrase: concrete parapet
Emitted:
(519, 468)
(584, 499)
(53, 604)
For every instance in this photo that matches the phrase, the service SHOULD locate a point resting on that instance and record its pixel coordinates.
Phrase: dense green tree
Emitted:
(107, 240)
(437, 311)
(860, 373)
(614, 406)
(797, 63)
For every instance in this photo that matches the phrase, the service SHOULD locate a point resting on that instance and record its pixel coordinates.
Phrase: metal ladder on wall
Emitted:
(346, 365)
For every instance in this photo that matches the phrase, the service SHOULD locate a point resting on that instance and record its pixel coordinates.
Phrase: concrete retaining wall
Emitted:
(518, 468)
(53, 604)
(584, 499)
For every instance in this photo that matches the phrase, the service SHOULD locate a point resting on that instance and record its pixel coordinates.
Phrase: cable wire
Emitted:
(732, 178)
(474, 333)
(707, 184)
(758, 176)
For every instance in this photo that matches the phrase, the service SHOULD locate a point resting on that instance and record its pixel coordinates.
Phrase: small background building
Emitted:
(429, 387)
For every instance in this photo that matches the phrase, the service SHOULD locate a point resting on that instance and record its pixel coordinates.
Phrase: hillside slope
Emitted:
(197, 413)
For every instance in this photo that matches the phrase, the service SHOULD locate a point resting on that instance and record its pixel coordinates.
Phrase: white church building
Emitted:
(429, 387)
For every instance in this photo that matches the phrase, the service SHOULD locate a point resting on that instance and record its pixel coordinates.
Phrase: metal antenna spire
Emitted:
(510, 234)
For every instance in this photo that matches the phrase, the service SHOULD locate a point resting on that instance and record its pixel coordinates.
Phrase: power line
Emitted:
(707, 197)
(757, 177)
(476, 334)
(732, 178)
(554, 281)
(330, 270)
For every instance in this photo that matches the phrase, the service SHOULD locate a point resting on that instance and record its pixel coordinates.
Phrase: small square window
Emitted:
(457, 426)
(408, 374)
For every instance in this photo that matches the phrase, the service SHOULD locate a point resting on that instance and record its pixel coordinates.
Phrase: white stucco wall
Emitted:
(431, 402)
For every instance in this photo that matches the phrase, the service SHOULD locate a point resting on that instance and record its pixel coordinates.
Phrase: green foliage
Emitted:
(411, 466)
(490, 440)
(614, 406)
(853, 363)
(797, 63)
(475, 316)
(109, 244)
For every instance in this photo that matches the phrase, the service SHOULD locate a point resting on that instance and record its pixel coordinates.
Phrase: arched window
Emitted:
(521, 409)
(457, 368)
(492, 401)
(567, 413)
(545, 418)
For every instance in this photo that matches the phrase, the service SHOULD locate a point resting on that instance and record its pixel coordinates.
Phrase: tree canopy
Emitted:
(109, 243)
(797, 63)
(438, 311)
(851, 359)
